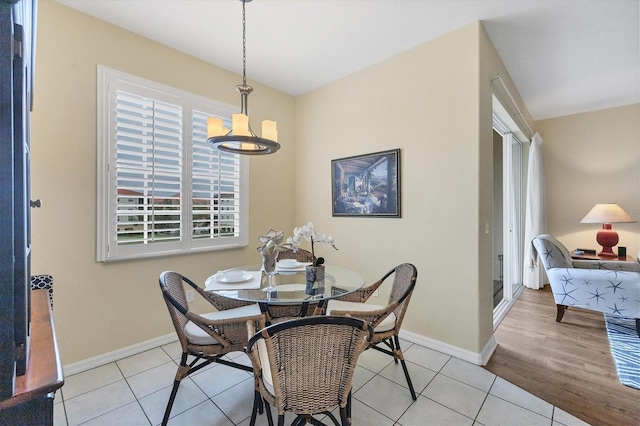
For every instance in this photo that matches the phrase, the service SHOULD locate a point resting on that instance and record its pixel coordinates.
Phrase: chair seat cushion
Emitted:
(198, 336)
(340, 305)
(267, 378)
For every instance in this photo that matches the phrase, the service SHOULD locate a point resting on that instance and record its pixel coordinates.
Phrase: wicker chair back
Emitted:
(311, 362)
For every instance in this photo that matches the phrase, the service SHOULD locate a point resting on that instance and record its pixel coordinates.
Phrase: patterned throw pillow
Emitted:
(44, 282)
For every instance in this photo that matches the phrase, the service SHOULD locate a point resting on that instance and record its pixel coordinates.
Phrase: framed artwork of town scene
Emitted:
(367, 185)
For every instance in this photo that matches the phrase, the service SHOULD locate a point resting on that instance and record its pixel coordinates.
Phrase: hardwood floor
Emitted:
(568, 364)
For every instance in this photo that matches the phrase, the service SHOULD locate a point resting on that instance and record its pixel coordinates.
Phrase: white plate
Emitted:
(244, 277)
(292, 265)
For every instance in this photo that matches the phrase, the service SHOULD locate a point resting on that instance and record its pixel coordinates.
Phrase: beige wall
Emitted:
(592, 158)
(103, 307)
(433, 102)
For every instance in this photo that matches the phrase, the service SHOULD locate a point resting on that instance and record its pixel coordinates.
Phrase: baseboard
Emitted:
(473, 357)
(100, 360)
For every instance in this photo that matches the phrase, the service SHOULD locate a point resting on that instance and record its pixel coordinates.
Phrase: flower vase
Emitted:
(315, 279)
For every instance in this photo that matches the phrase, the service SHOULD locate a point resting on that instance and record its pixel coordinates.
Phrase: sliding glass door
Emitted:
(510, 154)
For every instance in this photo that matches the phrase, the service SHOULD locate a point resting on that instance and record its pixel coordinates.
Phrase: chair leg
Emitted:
(256, 406)
(393, 349)
(398, 354)
(560, 313)
(183, 371)
(167, 411)
(345, 419)
(299, 421)
(280, 420)
(267, 411)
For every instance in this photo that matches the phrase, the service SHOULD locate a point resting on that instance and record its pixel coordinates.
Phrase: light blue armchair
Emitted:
(605, 287)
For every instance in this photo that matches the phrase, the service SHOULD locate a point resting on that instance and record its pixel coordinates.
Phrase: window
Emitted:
(161, 189)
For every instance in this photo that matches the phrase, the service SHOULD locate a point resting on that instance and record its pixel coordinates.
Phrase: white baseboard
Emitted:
(473, 357)
(100, 360)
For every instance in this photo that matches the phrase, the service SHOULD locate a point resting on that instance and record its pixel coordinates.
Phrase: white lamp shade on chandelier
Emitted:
(240, 127)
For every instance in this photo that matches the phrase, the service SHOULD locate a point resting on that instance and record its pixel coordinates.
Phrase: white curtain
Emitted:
(535, 214)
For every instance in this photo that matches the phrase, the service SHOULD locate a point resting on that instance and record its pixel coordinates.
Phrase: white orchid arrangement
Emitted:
(308, 233)
(271, 246)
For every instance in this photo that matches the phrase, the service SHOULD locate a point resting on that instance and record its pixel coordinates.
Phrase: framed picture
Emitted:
(367, 185)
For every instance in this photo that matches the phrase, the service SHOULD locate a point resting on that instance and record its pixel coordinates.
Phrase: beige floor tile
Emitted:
(496, 411)
(384, 396)
(143, 361)
(427, 412)
(455, 395)
(97, 402)
(89, 380)
(128, 415)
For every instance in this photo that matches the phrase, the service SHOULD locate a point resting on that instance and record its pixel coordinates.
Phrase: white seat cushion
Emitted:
(198, 336)
(267, 379)
(340, 305)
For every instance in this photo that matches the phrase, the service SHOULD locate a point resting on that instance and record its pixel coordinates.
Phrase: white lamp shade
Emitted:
(607, 213)
(270, 130)
(240, 123)
(215, 127)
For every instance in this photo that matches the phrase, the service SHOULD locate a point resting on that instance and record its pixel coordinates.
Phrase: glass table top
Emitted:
(290, 285)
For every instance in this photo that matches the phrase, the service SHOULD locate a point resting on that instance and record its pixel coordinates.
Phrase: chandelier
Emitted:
(241, 139)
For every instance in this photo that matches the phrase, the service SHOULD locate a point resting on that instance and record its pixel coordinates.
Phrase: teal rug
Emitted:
(625, 348)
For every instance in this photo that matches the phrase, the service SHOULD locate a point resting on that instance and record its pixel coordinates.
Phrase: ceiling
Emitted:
(564, 56)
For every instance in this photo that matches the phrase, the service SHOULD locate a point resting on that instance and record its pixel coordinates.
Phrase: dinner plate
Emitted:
(291, 265)
(229, 280)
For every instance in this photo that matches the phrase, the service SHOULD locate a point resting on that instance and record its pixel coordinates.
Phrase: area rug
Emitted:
(625, 348)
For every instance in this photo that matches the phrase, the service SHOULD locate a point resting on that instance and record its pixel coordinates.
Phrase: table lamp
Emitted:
(606, 214)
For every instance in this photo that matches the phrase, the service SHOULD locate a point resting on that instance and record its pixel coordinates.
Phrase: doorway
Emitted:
(510, 153)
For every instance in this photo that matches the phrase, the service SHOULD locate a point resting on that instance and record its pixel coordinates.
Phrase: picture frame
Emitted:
(366, 185)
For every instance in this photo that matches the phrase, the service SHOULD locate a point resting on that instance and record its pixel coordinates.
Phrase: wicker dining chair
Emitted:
(386, 320)
(285, 312)
(301, 255)
(205, 337)
(305, 367)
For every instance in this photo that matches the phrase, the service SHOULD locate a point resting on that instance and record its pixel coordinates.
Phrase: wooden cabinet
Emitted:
(32, 400)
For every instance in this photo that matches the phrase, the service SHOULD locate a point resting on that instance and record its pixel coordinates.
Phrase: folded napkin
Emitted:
(212, 282)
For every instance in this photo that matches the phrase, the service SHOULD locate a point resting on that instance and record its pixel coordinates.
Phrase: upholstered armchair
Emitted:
(612, 291)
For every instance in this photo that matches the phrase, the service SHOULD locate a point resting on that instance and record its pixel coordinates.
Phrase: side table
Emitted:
(593, 261)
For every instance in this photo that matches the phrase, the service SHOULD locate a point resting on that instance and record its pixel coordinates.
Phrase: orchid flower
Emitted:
(308, 233)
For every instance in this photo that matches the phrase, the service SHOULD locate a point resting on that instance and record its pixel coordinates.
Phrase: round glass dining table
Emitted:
(290, 286)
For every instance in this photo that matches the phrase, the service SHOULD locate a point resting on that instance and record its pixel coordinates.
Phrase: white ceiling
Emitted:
(565, 56)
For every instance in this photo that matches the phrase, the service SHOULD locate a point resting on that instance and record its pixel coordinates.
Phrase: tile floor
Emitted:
(135, 390)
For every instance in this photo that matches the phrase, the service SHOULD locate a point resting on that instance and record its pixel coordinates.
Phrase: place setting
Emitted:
(234, 279)
(285, 266)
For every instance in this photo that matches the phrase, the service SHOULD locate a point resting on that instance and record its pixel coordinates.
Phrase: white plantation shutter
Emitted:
(148, 169)
(215, 186)
(161, 188)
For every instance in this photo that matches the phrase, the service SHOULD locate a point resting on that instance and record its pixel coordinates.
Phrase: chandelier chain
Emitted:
(244, 46)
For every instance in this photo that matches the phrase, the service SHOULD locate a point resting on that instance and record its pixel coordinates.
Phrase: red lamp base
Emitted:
(607, 238)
